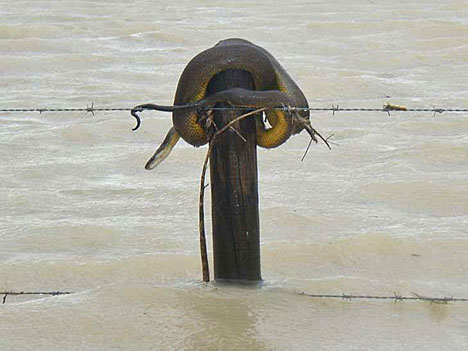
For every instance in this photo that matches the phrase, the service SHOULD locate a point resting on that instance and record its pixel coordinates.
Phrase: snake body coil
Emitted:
(273, 87)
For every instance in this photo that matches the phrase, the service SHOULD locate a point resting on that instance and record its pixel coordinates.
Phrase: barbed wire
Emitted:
(395, 297)
(386, 108)
(91, 109)
(16, 293)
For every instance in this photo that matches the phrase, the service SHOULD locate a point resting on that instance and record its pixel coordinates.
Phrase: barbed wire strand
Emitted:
(386, 108)
(395, 297)
(16, 293)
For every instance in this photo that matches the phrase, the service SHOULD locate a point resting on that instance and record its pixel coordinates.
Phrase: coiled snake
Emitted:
(273, 88)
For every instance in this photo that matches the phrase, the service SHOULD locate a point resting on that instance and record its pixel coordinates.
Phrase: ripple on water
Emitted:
(420, 197)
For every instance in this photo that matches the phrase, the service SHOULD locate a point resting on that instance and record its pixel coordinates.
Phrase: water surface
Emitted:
(385, 212)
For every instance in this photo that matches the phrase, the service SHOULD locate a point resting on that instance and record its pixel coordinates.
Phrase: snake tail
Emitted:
(165, 108)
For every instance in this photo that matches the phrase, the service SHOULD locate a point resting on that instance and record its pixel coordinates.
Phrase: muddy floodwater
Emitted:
(384, 212)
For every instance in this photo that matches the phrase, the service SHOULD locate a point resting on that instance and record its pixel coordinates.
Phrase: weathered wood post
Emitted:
(234, 190)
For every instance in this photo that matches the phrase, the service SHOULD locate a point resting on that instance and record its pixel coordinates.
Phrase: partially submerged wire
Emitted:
(16, 293)
(395, 297)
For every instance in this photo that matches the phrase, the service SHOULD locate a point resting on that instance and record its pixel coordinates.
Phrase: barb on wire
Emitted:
(16, 293)
(395, 297)
(90, 109)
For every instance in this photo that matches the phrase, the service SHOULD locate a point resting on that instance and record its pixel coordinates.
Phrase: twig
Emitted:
(390, 107)
(201, 221)
(325, 140)
(238, 134)
(307, 149)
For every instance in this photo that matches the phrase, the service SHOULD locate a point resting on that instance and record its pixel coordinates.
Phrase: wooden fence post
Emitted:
(234, 190)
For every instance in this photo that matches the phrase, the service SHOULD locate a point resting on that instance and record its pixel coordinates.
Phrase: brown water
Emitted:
(385, 212)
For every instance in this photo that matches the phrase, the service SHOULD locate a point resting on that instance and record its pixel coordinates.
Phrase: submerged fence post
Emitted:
(234, 190)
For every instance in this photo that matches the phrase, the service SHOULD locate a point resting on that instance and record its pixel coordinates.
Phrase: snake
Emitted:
(273, 88)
